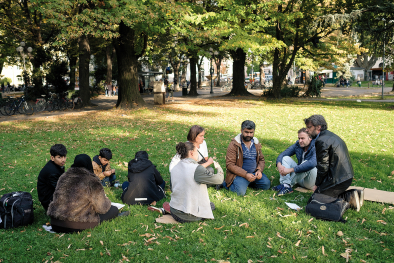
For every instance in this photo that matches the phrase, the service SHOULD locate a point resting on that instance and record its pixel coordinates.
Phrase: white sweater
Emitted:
(187, 195)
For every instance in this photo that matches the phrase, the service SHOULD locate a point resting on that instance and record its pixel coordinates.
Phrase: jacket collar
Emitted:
(238, 139)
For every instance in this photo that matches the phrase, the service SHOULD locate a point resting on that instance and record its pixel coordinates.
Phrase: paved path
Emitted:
(104, 103)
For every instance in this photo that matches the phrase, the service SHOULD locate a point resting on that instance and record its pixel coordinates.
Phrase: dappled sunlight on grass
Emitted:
(257, 227)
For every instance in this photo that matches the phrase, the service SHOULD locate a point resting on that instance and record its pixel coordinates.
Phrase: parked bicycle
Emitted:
(18, 105)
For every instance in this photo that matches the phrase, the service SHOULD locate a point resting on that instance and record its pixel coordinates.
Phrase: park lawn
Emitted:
(254, 228)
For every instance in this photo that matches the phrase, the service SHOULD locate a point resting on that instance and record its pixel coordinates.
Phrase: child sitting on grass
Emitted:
(102, 168)
(49, 175)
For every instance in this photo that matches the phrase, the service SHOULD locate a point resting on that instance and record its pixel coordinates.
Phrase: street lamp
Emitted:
(20, 49)
(384, 51)
(211, 70)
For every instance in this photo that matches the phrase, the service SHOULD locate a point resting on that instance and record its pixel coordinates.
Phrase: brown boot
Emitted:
(354, 200)
(361, 196)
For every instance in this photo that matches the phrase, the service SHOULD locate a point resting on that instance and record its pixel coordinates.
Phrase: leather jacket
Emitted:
(333, 161)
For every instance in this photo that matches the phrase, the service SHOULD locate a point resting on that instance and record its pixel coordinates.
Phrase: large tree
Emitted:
(129, 23)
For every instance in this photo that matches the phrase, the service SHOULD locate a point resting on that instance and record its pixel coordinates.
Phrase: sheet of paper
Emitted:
(293, 206)
(48, 228)
(119, 206)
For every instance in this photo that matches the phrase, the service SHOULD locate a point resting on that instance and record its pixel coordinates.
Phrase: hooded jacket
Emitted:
(333, 161)
(234, 159)
(144, 181)
(79, 197)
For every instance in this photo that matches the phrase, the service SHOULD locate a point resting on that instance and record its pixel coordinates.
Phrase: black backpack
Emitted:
(16, 209)
(326, 207)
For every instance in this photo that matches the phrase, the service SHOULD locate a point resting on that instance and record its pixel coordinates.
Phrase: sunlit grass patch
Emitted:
(256, 227)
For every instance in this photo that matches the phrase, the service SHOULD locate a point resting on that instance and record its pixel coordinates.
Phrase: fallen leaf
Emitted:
(250, 237)
(278, 235)
(150, 248)
(153, 203)
(217, 228)
(102, 243)
(381, 221)
(384, 209)
(340, 233)
(363, 221)
(310, 220)
(244, 224)
(279, 208)
(146, 235)
(322, 250)
(298, 243)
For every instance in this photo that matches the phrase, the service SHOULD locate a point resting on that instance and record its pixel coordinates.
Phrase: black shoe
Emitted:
(361, 196)
(219, 186)
(125, 213)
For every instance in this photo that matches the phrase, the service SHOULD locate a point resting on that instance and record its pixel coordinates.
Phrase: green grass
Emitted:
(273, 230)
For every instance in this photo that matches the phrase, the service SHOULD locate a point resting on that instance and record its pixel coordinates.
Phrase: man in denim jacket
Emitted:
(304, 172)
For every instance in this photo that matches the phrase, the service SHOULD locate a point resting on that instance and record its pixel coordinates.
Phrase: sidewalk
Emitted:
(105, 103)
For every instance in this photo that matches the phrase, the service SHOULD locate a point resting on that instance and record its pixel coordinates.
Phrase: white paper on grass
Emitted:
(293, 206)
(119, 206)
(48, 228)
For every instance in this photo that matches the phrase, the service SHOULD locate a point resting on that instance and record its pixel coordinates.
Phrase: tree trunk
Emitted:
(84, 60)
(239, 57)
(262, 74)
(108, 54)
(218, 71)
(73, 66)
(200, 76)
(176, 66)
(193, 79)
(129, 95)
(184, 71)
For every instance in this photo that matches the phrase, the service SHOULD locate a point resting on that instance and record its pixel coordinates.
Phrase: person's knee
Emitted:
(286, 161)
(239, 190)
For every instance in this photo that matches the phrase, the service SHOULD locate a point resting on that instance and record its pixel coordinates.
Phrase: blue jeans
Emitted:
(108, 180)
(240, 184)
(126, 184)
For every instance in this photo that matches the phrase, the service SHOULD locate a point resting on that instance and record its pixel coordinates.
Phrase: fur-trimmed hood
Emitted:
(79, 197)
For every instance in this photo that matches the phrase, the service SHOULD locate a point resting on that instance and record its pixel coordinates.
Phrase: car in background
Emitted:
(247, 80)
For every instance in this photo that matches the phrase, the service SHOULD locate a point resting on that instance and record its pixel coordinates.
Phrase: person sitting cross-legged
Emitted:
(102, 167)
(79, 201)
(304, 171)
(189, 199)
(245, 162)
(145, 184)
(49, 175)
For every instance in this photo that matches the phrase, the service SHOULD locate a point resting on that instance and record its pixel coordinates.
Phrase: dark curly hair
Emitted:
(183, 149)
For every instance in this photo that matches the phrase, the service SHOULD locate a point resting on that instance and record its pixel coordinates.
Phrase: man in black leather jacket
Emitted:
(334, 168)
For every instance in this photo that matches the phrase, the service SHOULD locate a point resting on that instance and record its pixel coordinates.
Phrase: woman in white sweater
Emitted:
(189, 198)
(196, 136)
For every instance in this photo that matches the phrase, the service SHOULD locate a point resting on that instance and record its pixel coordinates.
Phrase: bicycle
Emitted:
(18, 105)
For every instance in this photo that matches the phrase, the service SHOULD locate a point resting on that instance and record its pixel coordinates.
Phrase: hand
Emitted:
(216, 164)
(258, 175)
(286, 171)
(250, 177)
(314, 188)
(112, 171)
(107, 173)
(209, 161)
(280, 168)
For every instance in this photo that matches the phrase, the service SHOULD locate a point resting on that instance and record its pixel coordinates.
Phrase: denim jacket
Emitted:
(310, 156)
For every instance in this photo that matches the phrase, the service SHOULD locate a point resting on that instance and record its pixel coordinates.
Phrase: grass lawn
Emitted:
(272, 232)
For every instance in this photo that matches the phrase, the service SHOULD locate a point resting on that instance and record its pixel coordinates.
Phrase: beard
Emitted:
(247, 138)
